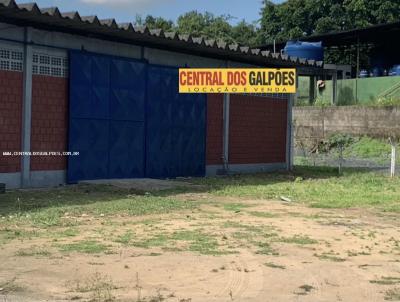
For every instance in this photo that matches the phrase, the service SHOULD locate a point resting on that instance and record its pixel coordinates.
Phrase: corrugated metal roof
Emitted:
(29, 14)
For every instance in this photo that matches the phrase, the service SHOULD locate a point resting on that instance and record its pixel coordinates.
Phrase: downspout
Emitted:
(26, 110)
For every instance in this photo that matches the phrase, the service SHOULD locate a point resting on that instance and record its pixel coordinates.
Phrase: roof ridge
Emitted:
(234, 48)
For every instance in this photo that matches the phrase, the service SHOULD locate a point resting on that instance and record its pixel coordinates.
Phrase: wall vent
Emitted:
(11, 60)
(49, 65)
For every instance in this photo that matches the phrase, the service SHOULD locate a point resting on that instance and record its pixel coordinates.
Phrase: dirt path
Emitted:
(228, 250)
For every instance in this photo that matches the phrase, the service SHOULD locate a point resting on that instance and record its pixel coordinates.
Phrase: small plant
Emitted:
(9, 287)
(392, 294)
(387, 281)
(273, 265)
(319, 102)
(329, 257)
(298, 239)
(99, 286)
(388, 101)
(264, 214)
(86, 246)
(33, 251)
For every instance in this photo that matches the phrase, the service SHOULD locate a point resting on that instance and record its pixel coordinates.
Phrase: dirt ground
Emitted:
(228, 249)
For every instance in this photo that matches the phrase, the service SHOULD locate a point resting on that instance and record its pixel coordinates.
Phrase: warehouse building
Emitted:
(109, 92)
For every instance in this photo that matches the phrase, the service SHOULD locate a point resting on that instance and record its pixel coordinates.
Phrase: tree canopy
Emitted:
(207, 25)
(291, 19)
(298, 18)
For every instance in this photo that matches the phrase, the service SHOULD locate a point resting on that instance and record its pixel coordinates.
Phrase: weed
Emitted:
(329, 257)
(387, 281)
(157, 240)
(273, 265)
(86, 246)
(235, 207)
(297, 239)
(392, 294)
(125, 238)
(33, 251)
(100, 288)
(10, 286)
(306, 288)
(264, 214)
(264, 248)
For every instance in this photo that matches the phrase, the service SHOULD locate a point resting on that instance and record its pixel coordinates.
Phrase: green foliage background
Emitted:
(291, 19)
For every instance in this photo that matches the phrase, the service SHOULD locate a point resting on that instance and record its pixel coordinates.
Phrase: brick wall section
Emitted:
(11, 84)
(49, 121)
(258, 130)
(214, 129)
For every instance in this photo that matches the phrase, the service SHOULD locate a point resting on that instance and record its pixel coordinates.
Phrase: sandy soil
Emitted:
(316, 255)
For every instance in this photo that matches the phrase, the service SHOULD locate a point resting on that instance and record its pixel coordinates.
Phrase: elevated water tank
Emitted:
(306, 50)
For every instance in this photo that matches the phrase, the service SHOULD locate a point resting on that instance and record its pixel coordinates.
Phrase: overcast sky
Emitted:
(126, 10)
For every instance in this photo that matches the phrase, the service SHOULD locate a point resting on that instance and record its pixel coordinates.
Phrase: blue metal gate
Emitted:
(176, 127)
(128, 120)
(107, 102)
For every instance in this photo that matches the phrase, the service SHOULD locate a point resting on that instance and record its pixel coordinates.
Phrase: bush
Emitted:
(386, 101)
(322, 102)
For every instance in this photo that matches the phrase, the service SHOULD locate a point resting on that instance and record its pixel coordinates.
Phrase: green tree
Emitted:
(155, 22)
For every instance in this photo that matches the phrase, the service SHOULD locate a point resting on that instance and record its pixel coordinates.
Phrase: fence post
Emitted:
(393, 158)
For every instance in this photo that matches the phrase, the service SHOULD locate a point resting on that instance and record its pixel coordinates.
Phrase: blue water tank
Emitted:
(306, 50)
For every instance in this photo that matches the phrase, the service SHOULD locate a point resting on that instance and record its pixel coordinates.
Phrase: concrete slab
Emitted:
(142, 184)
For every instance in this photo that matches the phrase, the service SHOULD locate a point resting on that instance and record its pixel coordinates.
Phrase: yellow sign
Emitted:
(240, 80)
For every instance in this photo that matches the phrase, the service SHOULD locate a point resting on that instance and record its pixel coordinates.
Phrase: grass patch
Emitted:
(329, 257)
(8, 234)
(264, 214)
(46, 208)
(264, 248)
(87, 247)
(126, 238)
(317, 186)
(367, 147)
(33, 251)
(298, 239)
(9, 287)
(197, 241)
(200, 242)
(392, 294)
(273, 265)
(386, 281)
(100, 287)
(157, 240)
(235, 207)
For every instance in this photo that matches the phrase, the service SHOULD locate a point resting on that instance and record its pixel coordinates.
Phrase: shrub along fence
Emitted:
(316, 128)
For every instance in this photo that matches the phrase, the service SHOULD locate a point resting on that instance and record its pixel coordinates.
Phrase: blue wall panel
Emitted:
(128, 93)
(128, 120)
(107, 99)
(126, 149)
(90, 138)
(176, 125)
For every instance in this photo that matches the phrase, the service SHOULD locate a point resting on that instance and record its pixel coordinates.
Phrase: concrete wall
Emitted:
(313, 123)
